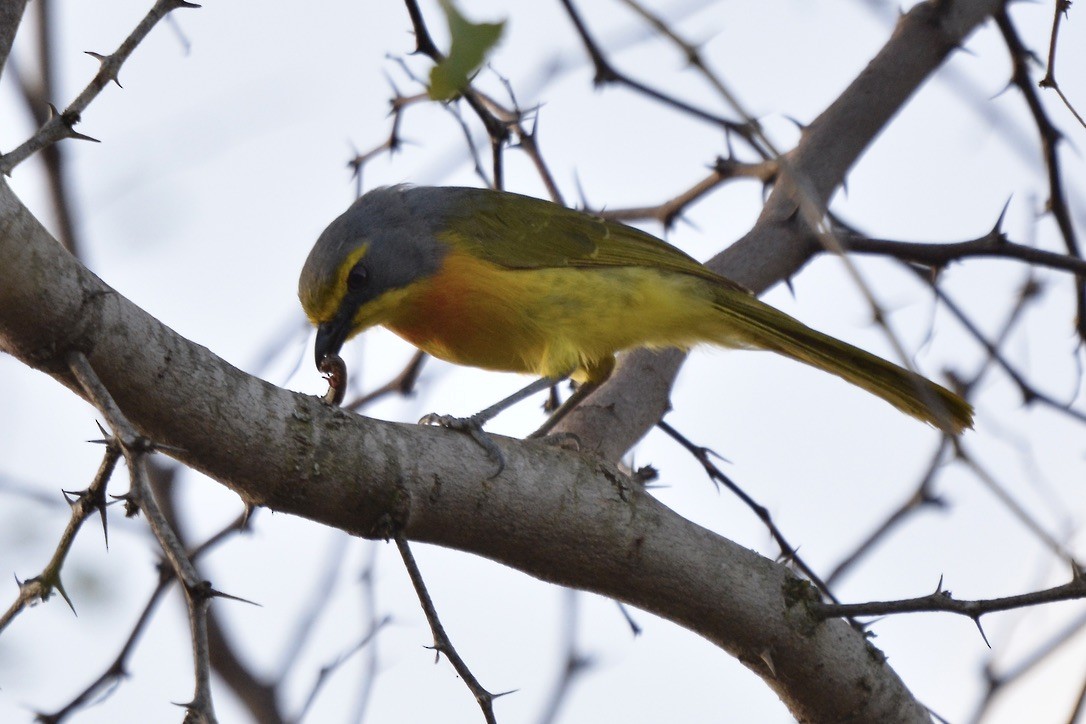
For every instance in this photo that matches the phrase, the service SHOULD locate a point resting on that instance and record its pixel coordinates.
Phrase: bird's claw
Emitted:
(473, 426)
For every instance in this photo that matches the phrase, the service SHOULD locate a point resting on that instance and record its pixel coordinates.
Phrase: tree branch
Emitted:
(942, 600)
(617, 415)
(62, 125)
(564, 517)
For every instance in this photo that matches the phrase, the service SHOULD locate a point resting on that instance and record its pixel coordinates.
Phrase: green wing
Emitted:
(522, 232)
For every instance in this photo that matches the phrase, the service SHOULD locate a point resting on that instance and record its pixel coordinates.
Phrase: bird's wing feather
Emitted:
(521, 232)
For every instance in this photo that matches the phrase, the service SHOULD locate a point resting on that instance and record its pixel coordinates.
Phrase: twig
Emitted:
(1030, 394)
(724, 169)
(922, 497)
(496, 129)
(992, 244)
(117, 669)
(327, 670)
(83, 503)
(442, 643)
(392, 143)
(198, 593)
(1050, 138)
(259, 696)
(606, 73)
(62, 124)
(942, 600)
(36, 97)
(787, 551)
(1061, 8)
(998, 681)
(1014, 507)
(402, 384)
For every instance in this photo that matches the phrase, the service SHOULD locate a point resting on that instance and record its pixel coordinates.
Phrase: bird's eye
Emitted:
(356, 278)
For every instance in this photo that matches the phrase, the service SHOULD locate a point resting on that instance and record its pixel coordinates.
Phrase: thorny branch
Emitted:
(198, 593)
(1061, 9)
(83, 504)
(666, 213)
(499, 125)
(606, 73)
(942, 600)
(1050, 137)
(442, 643)
(36, 94)
(994, 244)
(62, 124)
(118, 668)
(787, 552)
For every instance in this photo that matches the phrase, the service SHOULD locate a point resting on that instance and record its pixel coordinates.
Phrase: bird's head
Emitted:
(366, 259)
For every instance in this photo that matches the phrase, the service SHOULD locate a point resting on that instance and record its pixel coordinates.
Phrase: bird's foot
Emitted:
(473, 426)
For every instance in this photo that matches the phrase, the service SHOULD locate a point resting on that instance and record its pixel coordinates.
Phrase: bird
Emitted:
(508, 282)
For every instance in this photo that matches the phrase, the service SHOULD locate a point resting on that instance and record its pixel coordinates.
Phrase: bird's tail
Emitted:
(754, 324)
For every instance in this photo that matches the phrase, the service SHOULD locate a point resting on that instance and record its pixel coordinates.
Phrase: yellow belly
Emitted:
(550, 322)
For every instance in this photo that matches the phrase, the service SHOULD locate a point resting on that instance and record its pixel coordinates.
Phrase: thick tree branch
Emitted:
(560, 516)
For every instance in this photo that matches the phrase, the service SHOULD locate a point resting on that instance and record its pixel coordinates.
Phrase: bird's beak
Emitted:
(330, 337)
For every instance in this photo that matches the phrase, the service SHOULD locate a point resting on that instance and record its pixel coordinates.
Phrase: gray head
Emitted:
(384, 241)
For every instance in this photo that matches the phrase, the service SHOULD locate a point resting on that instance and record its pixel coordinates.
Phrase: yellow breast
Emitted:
(550, 322)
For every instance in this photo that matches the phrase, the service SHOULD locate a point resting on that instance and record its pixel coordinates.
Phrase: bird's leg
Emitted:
(595, 374)
(583, 390)
(474, 425)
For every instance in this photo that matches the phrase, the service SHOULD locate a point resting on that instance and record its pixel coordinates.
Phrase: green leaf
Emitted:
(470, 44)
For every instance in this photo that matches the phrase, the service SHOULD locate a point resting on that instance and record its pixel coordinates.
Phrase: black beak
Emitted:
(330, 338)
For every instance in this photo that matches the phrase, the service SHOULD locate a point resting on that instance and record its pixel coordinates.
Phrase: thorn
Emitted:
(437, 653)
(105, 527)
(997, 230)
(72, 133)
(1009, 86)
(800, 125)
(635, 628)
(939, 585)
(64, 594)
(105, 433)
(214, 593)
(766, 657)
(102, 60)
(976, 620)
